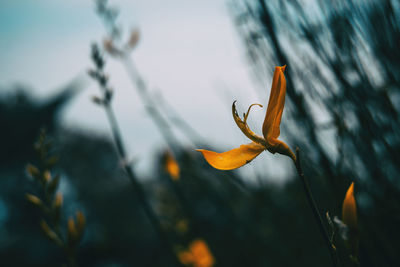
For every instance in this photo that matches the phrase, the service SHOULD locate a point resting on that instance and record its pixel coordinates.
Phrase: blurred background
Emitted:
(174, 69)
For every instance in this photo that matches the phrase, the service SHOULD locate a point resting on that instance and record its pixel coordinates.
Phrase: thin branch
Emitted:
(314, 209)
(99, 76)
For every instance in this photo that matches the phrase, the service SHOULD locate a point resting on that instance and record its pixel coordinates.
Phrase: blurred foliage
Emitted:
(343, 111)
(343, 99)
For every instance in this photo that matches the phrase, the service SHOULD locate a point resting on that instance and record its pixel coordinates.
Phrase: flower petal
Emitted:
(244, 127)
(276, 104)
(234, 158)
(349, 217)
(349, 209)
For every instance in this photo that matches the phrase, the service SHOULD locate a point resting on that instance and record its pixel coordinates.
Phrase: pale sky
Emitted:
(189, 50)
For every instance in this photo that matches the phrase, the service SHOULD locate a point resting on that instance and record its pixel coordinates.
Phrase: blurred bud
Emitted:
(50, 162)
(34, 200)
(80, 222)
(171, 166)
(97, 57)
(46, 176)
(349, 209)
(134, 38)
(97, 100)
(109, 46)
(108, 94)
(102, 79)
(50, 233)
(185, 257)
(58, 201)
(198, 255)
(73, 235)
(349, 218)
(57, 204)
(182, 226)
(93, 73)
(33, 171)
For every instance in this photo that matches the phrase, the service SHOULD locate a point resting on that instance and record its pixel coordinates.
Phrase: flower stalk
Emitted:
(314, 209)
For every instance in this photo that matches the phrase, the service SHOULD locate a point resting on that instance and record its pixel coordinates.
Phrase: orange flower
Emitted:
(198, 255)
(349, 209)
(171, 166)
(349, 217)
(244, 154)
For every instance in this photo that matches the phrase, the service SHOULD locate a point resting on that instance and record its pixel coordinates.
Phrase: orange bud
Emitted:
(198, 255)
(47, 176)
(349, 217)
(349, 210)
(72, 232)
(32, 170)
(80, 222)
(34, 199)
(171, 166)
(58, 201)
(50, 233)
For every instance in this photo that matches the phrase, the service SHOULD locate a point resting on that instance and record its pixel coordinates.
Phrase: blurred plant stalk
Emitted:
(105, 101)
(50, 202)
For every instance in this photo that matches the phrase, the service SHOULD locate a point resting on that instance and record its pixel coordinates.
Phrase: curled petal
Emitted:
(234, 158)
(246, 115)
(349, 209)
(244, 127)
(276, 104)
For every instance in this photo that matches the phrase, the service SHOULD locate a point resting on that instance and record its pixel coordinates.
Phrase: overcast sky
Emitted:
(189, 50)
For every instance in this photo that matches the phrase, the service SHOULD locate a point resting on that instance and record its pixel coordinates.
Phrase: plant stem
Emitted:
(140, 194)
(102, 80)
(314, 209)
(149, 103)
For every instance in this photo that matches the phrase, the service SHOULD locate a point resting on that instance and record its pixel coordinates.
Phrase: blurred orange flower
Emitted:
(244, 154)
(198, 255)
(349, 209)
(171, 166)
(349, 217)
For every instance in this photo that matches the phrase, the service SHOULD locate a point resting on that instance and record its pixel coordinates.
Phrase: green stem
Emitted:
(314, 209)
